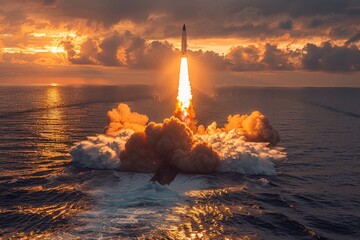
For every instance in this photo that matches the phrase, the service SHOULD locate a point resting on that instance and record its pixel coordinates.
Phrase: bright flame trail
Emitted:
(184, 107)
(184, 96)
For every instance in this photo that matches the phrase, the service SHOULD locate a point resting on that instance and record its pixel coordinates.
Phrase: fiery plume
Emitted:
(184, 107)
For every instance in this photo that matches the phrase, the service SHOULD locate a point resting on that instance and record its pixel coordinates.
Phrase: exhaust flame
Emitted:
(184, 108)
(184, 96)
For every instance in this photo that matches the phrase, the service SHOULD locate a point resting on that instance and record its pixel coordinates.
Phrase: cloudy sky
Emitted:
(114, 41)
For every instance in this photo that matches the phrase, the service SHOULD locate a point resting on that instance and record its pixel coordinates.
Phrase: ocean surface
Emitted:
(315, 193)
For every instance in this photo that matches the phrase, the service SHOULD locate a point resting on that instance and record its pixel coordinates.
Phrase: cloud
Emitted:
(331, 58)
(355, 38)
(154, 54)
(112, 11)
(124, 49)
(341, 32)
(315, 22)
(140, 53)
(276, 59)
(159, 18)
(210, 59)
(326, 57)
(88, 51)
(287, 25)
(245, 58)
(107, 12)
(48, 2)
(131, 51)
(267, 35)
(252, 58)
(109, 51)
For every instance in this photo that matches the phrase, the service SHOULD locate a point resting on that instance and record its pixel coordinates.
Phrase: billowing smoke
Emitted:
(122, 118)
(167, 148)
(130, 144)
(254, 127)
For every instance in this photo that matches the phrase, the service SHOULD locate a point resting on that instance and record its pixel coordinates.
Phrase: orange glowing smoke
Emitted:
(184, 107)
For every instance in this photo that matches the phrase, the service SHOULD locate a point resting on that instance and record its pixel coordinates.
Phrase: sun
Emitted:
(54, 84)
(55, 49)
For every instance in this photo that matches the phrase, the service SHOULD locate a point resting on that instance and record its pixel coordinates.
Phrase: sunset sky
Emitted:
(245, 42)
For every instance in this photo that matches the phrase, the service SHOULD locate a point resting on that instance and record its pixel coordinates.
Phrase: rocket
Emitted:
(183, 41)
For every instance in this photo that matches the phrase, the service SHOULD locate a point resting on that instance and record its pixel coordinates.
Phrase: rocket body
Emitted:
(183, 41)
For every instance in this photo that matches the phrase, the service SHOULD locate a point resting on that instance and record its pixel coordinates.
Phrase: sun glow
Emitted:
(56, 49)
(34, 50)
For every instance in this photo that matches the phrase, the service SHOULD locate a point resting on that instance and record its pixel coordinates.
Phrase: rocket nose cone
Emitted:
(184, 27)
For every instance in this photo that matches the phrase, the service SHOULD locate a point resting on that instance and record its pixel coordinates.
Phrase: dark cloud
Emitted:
(88, 51)
(109, 51)
(355, 38)
(343, 32)
(112, 11)
(133, 51)
(69, 48)
(156, 54)
(257, 21)
(245, 59)
(298, 8)
(210, 59)
(160, 19)
(124, 49)
(232, 17)
(142, 54)
(287, 25)
(252, 58)
(315, 22)
(49, 2)
(331, 58)
(107, 12)
(207, 28)
(276, 59)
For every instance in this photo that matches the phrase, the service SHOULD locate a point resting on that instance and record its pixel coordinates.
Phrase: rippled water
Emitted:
(315, 194)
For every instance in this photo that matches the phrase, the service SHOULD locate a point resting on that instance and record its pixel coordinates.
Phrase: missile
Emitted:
(183, 41)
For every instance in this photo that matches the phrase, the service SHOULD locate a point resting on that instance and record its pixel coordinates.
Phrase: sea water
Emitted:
(314, 193)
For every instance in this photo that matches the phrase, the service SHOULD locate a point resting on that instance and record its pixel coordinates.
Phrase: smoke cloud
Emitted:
(255, 127)
(167, 146)
(130, 144)
(122, 118)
